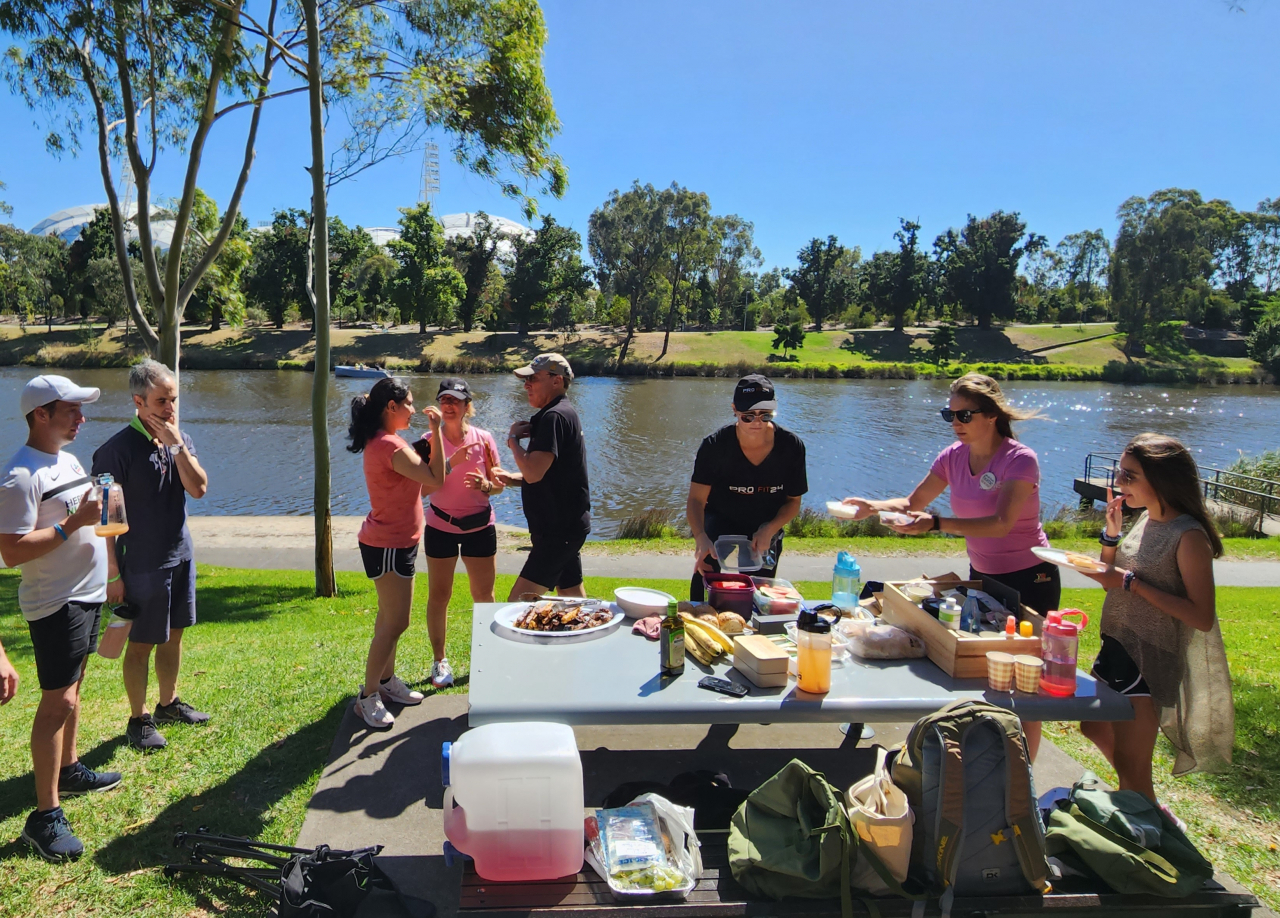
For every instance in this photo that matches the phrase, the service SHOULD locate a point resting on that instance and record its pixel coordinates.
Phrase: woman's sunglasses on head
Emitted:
(964, 415)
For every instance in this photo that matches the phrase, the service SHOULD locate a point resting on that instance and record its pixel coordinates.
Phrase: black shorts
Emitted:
(1039, 587)
(482, 543)
(378, 562)
(62, 641)
(159, 602)
(1116, 668)
(555, 562)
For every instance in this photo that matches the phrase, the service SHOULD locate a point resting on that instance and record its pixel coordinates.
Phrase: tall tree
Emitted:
(276, 279)
(427, 285)
(626, 237)
(548, 278)
(1085, 256)
(688, 244)
(820, 281)
(476, 254)
(979, 264)
(908, 273)
(735, 255)
(1267, 256)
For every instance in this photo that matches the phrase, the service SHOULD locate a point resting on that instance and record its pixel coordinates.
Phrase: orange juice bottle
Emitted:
(113, 521)
(813, 661)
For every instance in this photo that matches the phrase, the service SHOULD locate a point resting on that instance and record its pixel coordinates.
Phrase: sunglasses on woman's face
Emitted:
(964, 415)
(750, 417)
(1124, 476)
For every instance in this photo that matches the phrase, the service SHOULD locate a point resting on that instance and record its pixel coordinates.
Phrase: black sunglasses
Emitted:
(964, 415)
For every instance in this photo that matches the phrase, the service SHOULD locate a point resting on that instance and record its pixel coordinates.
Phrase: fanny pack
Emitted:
(465, 523)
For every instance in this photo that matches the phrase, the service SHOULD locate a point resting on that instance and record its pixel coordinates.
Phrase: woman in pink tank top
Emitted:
(459, 519)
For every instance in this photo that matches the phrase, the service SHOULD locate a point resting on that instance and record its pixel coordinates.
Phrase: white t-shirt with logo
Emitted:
(37, 490)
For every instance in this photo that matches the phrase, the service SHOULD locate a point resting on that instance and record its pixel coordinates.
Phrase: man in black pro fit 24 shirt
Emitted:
(748, 479)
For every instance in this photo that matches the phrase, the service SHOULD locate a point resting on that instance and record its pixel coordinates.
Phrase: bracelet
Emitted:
(1129, 577)
(57, 527)
(937, 524)
(1107, 540)
(114, 579)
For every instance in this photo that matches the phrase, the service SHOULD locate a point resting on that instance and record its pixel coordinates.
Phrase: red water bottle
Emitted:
(1060, 644)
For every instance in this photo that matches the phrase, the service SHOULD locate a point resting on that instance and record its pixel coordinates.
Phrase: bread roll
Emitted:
(731, 622)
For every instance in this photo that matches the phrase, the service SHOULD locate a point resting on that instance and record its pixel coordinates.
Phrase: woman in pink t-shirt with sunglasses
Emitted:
(995, 496)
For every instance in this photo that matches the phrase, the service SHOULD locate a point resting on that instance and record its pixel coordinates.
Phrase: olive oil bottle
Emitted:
(671, 641)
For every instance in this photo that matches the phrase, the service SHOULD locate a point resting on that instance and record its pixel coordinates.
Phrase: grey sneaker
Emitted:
(179, 712)
(142, 734)
(76, 779)
(441, 673)
(50, 835)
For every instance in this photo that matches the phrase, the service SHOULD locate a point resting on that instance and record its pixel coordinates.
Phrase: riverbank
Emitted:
(1032, 352)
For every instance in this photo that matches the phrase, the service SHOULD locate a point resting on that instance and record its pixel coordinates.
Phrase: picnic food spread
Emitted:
(557, 615)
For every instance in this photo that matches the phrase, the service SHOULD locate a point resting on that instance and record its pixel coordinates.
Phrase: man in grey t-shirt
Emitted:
(47, 511)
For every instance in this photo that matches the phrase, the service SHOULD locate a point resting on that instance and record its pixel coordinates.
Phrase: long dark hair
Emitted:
(1172, 472)
(366, 411)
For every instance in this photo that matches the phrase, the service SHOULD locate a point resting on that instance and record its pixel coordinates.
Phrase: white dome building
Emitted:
(69, 223)
(456, 225)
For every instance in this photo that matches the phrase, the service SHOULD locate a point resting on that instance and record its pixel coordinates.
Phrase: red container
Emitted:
(730, 592)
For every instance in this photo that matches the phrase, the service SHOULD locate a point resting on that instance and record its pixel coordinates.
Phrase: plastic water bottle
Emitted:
(846, 581)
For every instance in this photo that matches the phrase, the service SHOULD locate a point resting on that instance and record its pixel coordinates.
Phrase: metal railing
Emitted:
(1256, 496)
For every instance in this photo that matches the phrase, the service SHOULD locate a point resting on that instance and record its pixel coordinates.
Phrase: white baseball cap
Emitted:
(45, 389)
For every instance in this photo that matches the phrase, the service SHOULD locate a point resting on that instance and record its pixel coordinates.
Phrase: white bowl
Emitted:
(639, 602)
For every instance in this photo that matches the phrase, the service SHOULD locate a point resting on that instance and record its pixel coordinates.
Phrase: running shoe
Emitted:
(395, 690)
(179, 712)
(50, 835)
(142, 734)
(76, 779)
(373, 712)
(441, 673)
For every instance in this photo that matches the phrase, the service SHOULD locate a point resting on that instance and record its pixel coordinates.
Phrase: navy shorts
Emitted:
(1116, 668)
(378, 562)
(159, 601)
(554, 561)
(62, 641)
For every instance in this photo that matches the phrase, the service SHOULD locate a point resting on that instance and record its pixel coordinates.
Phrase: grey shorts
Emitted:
(159, 601)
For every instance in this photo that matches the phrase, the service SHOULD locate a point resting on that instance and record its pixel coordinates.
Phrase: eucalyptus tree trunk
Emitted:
(325, 582)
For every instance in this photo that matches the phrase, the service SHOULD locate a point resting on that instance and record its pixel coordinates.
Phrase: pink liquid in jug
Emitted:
(520, 854)
(1060, 645)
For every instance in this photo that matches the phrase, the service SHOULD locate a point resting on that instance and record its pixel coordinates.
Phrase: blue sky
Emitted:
(811, 118)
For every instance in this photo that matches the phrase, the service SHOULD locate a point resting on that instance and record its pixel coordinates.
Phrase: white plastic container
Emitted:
(513, 800)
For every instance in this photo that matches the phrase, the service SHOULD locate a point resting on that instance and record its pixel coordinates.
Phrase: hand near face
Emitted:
(1115, 513)
(166, 432)
(434, 418)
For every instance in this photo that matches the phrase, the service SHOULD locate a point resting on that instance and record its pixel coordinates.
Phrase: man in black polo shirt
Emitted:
(150, 568)
(553, 480)
(748, 479)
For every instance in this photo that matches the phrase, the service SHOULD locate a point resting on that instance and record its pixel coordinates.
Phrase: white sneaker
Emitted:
(441, 673)
(395, 690)
(373, 712)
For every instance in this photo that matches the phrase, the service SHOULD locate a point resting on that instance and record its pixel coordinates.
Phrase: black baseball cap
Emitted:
(455, 386)
(754, 393)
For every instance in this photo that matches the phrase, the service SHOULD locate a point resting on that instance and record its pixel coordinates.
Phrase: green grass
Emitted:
(278, 667)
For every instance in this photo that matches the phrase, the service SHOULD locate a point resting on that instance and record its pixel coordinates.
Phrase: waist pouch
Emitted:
(465, 523)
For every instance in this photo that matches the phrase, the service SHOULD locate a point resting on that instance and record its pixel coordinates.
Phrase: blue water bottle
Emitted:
(846, 581)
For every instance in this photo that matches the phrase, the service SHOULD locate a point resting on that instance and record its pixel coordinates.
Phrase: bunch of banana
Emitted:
(703, 640)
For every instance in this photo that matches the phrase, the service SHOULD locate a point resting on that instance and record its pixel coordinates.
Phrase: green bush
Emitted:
(1264, 344)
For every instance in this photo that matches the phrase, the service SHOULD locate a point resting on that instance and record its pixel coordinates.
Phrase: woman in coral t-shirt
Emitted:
(395, 476)
(995, 496)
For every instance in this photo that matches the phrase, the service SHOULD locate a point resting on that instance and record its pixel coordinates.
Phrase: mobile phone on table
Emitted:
(723, 686)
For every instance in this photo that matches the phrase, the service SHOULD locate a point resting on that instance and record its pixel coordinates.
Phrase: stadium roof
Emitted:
(67, 225)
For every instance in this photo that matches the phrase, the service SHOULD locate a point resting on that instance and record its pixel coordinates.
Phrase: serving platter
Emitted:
(1073, 560)
(504, 625)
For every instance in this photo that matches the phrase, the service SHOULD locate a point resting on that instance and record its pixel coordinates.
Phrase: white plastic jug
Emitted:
(513, 800)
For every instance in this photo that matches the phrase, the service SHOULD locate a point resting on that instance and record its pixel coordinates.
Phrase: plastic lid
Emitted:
(736, 553)
(446, 750)
(810, 621)
(848, 564)
(1053, 618)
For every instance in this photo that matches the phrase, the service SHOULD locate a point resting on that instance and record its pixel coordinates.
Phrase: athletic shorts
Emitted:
(481, 543)
(159, 602)
(379, 562)
(1039, 587)
(1116, 668)
(555, 562)
(62, 641)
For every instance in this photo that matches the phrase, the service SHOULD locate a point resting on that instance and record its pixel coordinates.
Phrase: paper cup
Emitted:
(1000, 671)
(1026, 673)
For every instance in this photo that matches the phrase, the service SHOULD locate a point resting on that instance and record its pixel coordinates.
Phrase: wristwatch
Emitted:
(174, 450)
(937, 524)
(1129, 577)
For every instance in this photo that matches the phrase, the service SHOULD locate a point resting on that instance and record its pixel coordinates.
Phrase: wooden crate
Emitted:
(958, 653)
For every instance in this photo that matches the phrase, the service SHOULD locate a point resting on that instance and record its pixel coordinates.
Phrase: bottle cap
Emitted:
(1053, 618)
(813, 623)
(848, 564)
(1010, 625)
(1025, 629)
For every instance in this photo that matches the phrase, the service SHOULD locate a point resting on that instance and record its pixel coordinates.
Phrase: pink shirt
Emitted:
(395, 514)
(977, 495)
(478, 452)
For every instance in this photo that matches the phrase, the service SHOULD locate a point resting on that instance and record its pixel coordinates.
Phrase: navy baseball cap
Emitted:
(754, 393)
(453, 385)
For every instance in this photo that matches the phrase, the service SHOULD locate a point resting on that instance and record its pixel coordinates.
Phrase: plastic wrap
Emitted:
(879, 641)
(646, 849)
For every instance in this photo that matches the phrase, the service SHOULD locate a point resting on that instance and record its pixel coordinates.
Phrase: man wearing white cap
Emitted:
(46, 519)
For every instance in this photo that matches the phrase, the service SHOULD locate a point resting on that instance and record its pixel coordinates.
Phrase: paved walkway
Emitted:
(286, 543)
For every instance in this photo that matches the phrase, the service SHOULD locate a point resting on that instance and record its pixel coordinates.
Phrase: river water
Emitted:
(875, 438)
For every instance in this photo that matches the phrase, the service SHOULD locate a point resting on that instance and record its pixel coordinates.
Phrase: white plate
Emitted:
(504, 623)
(841, 511)
(894, 518)
(1059, 557)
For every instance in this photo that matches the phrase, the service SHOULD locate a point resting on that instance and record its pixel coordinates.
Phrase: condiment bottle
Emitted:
(671, 641)
(1059, 647)
(1010, 625)
(949, 613)
(813, 662)
(1026, 629)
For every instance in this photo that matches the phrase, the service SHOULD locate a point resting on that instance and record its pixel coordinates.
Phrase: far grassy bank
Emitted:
(1068, 353)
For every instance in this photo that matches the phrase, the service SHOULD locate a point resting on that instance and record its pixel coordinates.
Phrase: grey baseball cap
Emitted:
(555, 364)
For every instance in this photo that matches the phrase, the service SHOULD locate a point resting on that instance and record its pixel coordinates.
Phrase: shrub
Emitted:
(1264, 344)
(652, 524)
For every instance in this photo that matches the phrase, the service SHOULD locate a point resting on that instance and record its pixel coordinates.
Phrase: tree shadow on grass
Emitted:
(239, 805)
(219, 602)
(973, 345)
(18, 793)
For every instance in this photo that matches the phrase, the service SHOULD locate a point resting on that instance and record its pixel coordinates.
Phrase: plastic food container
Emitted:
(776, 596)
(730, 593)
(513, 800)
(736, 553)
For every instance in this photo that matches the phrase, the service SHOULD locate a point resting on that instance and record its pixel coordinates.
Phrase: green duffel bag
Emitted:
(1100, 827)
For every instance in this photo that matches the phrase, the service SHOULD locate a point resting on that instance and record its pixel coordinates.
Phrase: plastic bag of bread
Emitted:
(880, 641)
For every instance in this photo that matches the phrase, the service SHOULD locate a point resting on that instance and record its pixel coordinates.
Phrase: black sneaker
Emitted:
(179, 712)
(50, 835)
(142, 734)
(76, 779)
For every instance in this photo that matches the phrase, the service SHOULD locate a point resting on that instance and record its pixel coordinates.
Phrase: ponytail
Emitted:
(367, 410)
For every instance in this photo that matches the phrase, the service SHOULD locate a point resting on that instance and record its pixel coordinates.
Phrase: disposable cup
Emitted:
(1026, 673)
(1000, 671)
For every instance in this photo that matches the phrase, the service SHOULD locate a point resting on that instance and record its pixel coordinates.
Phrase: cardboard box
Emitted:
(958, 653)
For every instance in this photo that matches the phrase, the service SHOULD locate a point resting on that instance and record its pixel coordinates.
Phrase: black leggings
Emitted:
(1039, 587)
